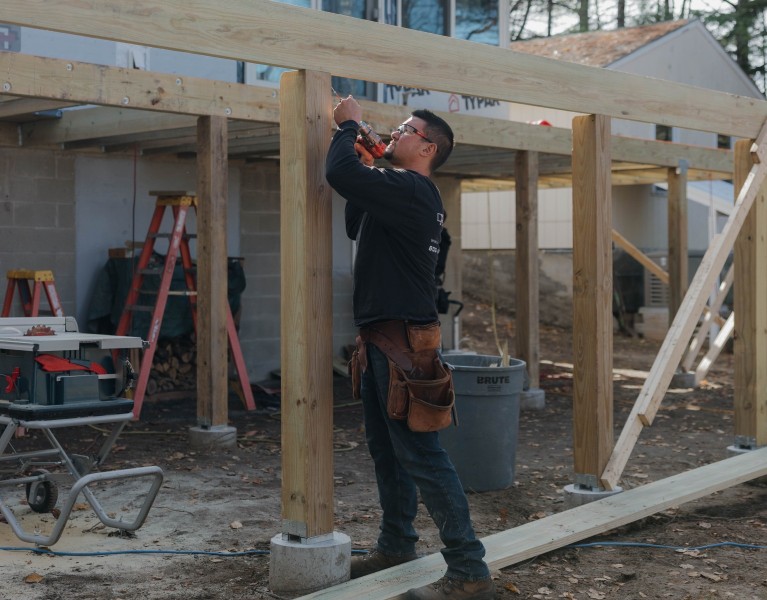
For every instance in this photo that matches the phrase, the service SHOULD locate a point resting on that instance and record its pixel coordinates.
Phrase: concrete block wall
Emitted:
(37, 219)
(260, 245)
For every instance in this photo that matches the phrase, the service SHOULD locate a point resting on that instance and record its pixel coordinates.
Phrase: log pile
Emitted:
(175, 366)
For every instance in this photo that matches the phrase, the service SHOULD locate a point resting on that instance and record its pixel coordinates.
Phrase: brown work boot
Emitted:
(454, 589)
(375, 561)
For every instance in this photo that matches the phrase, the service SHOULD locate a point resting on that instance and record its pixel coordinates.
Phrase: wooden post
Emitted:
(750, 302)
(677, 237)
(212, 193)
(306, 304)
(592, 299)
(526, 264)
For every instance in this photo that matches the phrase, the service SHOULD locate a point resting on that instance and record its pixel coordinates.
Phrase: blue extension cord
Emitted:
(49, 552)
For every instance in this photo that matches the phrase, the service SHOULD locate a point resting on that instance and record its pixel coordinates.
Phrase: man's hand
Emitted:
(348, 109)
(365, 157)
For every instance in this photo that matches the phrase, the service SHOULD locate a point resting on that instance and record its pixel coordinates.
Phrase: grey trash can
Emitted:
(483, 447)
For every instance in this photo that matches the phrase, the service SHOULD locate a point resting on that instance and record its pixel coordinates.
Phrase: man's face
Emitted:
(407, 142)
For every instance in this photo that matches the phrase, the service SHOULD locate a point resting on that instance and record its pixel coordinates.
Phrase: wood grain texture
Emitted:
(677, 238)
(212, 197)
(592, 296)
(266, 32)
(306, 305)
(750, 300)
(526, 264)
(536, 538)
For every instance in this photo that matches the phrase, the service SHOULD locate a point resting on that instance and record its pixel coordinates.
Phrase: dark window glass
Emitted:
(425, 15)
(477, 21)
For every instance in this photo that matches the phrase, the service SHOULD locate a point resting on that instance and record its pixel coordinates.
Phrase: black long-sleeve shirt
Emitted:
(396, 217)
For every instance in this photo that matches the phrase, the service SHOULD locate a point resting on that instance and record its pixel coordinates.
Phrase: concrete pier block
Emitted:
(297, 568)
(577, 495)
(683, 380)
(532, 399)
(218, 436)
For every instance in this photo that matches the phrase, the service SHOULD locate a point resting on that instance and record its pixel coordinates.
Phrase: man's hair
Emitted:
(439, 132)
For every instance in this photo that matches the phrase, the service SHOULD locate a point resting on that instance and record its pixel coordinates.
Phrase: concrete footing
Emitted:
(297, 568)
(683, 380)
(532, 399)
(577, 495)
(218, 436)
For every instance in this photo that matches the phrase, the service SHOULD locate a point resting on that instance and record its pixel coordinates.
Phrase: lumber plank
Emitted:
(306, 305)
(711, 313)
(212, 190)
(26, 75)
(562, 529)
(682, 328)
(278, 34)
(677, 238)
(715, 349)
(647, 262)
(526, 264)
(592, 298)
(750, 299)
(33, 77)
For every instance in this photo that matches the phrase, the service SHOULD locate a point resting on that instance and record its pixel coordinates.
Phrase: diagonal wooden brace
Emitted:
(683, 325)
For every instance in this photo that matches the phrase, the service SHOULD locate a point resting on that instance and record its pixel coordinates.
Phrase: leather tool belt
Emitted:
(420, 384)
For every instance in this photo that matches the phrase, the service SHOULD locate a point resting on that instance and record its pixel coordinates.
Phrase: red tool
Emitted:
(371, 140)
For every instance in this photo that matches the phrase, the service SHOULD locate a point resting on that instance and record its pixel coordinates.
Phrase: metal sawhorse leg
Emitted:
(40, 484)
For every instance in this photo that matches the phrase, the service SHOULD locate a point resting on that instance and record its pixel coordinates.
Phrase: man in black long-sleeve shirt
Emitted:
(396, 216)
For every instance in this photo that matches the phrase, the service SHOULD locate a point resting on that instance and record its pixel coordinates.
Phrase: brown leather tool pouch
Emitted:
(420, 386)
(431, 402)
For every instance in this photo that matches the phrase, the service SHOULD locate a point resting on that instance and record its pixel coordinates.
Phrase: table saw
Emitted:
(52, 376)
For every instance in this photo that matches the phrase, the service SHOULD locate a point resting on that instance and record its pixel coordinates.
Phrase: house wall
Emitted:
(38, 227)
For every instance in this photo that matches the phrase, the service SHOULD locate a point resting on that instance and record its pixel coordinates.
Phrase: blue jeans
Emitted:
(405, 459)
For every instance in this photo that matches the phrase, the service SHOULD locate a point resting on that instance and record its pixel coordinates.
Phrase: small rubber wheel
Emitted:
(46, 494)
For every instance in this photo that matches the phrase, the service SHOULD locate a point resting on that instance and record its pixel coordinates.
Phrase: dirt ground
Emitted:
(229, 501)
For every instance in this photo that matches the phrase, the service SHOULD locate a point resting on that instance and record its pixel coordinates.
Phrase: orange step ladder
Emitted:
(30, 298)
(180, 203)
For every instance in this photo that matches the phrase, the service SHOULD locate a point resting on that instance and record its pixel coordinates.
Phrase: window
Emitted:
(477, 21)
(361, 9)
(664, 133)
(723, 141)
(425, 15)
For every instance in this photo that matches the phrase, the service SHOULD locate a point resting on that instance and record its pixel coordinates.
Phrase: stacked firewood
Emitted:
(174, 368)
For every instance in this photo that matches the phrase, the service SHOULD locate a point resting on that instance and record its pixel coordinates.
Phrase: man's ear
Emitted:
(428, 150)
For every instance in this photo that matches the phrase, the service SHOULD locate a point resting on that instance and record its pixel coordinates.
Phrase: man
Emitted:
(396, 217)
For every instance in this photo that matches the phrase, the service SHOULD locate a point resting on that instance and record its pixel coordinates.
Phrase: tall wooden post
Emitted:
(306, 304)
(677, 237)
(212, 193)
(750, 306)
(592, 299)
(526, 265)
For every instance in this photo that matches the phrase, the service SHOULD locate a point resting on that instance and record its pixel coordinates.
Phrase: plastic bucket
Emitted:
(484, 445)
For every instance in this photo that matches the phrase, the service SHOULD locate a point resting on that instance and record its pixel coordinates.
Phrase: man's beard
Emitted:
(389, 154)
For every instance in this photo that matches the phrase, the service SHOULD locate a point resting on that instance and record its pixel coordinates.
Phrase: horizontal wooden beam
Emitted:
(261, 31)
(562, 529)
(17, 108)
(28, 76)
(41, 79)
